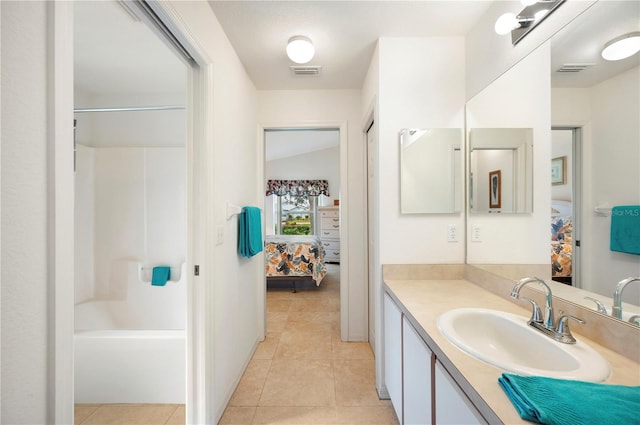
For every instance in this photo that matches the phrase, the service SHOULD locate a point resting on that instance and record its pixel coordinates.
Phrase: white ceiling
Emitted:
(344, 34)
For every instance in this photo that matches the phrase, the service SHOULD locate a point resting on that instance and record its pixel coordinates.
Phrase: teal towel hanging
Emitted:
(625, 229)
(160, 276)
(562, 402)
(249, 232)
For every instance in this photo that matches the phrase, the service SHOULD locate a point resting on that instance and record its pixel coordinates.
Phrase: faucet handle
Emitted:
(635, 319)
(536, 314)
(601, 308)
(563, 333)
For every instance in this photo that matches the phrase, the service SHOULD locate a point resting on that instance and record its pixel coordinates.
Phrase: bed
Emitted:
(561, 241)
(294, 258)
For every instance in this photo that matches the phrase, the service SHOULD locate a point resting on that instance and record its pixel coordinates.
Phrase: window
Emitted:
(297, 214)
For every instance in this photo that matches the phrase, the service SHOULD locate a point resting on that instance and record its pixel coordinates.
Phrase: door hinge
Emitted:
(196, 270)
(577, 243)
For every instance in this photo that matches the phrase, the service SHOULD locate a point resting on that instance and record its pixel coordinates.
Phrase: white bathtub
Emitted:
(132, 350)
(130, 366)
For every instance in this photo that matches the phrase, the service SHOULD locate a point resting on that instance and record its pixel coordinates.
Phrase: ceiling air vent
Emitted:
(306, 71)
(574, 67)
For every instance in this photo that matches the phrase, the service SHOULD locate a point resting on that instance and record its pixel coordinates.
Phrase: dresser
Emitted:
(330, 232)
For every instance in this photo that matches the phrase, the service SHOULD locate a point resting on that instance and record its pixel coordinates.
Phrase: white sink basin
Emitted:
(506, 341)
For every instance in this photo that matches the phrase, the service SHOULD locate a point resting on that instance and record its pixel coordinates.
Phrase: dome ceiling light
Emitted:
(622, 47)
(300, 49)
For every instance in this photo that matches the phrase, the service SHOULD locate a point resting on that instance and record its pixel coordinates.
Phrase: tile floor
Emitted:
(301, 374)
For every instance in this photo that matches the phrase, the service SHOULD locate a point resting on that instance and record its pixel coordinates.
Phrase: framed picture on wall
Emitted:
(495, 189)
(558, 170)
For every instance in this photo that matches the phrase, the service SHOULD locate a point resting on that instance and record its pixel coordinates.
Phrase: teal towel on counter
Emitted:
(625, 229)
(563, 402)
(160, 276)
(249, 232)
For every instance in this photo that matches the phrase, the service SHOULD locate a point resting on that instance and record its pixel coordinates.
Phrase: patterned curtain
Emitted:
(298, 187)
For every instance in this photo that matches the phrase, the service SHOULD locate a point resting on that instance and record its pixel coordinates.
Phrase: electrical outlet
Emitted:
(476, 234)
(452, 233)
(219, 235)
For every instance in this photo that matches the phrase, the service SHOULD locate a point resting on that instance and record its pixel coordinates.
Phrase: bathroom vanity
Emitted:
(430, 380)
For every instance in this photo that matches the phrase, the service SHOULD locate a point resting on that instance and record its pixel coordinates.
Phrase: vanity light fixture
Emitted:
(622, 47)
(300, 49)
(520, 25)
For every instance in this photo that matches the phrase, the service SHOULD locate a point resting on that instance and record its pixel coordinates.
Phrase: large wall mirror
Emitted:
(431, 171)
(598, 102)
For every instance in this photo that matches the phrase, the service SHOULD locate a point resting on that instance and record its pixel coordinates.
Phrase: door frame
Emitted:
(200, 218)
(345, 301)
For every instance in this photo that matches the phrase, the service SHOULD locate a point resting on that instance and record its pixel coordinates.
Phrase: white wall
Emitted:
(421, 86)
(237, 298)
(494, 108)
(561, 146)
(25, 209)
(136, 207)
(308, 108)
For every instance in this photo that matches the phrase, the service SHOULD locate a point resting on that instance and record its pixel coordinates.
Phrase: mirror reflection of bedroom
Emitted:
(302, 235)
(563, 215)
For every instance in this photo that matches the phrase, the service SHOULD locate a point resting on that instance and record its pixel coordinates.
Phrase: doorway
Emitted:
(130, 208)
(565, 205)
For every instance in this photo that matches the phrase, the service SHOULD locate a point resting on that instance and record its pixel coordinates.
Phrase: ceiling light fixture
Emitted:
(520, 25)
(300, 49)
(622, 47)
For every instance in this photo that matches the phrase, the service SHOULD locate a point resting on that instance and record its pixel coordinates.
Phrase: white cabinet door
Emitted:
(452, 406)
(417, 377)
(393, 353)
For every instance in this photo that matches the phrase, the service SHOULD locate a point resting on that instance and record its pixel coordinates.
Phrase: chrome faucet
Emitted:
(561, 333)
(616, 311)
(549, 322)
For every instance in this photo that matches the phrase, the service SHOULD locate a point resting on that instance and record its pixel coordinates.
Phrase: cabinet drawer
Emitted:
(330, 213)
(331, 245)
(329, 223)
(333, 233)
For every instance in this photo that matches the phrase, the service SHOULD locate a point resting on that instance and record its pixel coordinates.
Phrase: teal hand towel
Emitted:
(562, 402)
(625, 229)
(249, 232)
(160, 276)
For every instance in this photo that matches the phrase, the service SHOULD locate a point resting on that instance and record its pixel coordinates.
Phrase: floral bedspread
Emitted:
(295, 256)
(561, 242)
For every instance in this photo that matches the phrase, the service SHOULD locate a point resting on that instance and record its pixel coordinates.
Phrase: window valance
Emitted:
(298, 187)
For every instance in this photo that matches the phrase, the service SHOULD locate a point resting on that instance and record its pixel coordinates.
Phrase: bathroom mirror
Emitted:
(431, 171)
(500, 170)
(601, 99)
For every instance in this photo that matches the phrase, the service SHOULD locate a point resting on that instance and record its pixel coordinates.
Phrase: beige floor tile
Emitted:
(276, 321)
(279, 305)
(83, 411)
(299, 382)
(304, 345)
(302, 326)
(249, 388)
(355, 383)
(323, 304)
(314, 316)
(238, 416)
(351, 350)
(267, 348)
(295, 415)
(178, 417)
(131, 414)
(367, 415)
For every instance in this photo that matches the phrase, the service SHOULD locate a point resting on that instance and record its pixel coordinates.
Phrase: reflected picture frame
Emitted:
(559, 170)
(495, 189)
